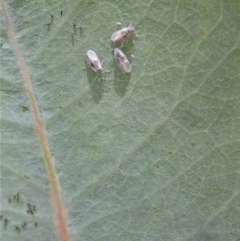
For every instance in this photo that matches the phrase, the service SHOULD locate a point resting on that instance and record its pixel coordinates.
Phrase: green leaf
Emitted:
(149, 156)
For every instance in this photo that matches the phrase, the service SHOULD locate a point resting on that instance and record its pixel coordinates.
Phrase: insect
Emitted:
(122, 60)
(123, 34)
(94, 62)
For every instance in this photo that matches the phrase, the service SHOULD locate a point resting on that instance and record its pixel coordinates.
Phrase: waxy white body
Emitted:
(94, 62)
(122, 34)
(122, 61)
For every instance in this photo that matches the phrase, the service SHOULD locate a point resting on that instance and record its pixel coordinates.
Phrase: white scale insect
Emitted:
(123, 34)
(122, 60)
(94, 62)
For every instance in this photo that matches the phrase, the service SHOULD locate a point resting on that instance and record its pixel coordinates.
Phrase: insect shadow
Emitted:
(121, 80)
(95, 82)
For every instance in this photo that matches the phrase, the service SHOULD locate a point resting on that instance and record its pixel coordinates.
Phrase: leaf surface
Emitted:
(150, 156)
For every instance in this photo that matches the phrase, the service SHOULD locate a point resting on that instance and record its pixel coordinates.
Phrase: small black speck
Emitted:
(24, 108)
(61, 13)
(17, 197)
(31, 209)
(48, 26)
(52, 18)
(24, 225)
(74, 28)
(36, 224)
(72, 40)
(18, 229)
(5, 223)
(81, 31)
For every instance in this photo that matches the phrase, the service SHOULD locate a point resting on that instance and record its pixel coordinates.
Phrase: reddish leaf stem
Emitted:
(60, 212)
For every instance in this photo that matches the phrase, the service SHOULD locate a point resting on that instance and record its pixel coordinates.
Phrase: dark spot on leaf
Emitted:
(74, 28)
(52, 18)
(18, 197)
(5, 223)
(81, 31)
(24, 225)
(72, 40)
(203, 33)
(48, 26)
(61, 13)
(18, 229)
(24, 108)
(31, 209)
